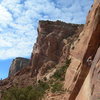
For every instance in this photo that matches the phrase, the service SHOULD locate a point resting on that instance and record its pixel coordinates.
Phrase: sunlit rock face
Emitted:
(17, 65)
(51, 49)
(57, 41)
(52, 44)
(91, 87)
(80, 71)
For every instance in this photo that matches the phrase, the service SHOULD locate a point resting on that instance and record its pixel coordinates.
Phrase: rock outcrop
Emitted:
(50, 51)
(52, 46)
(55, 43)
(80, 67)
(91, 87)
(17, 65)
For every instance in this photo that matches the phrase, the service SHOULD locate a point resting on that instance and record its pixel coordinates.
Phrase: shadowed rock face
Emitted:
(17, 65)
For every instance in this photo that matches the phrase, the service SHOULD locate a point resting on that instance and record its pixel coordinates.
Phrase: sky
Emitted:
(19, 21)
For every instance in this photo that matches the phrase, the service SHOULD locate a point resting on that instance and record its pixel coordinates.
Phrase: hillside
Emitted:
(64, 64)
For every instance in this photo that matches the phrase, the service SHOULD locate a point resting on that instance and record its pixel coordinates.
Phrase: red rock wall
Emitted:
(91, 87)
(86, 47)
(82, 81)
(50, 44)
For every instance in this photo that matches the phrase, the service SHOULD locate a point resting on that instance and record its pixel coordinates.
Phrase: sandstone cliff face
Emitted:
(51, 50)
(91, 87)
(52, 46)
(17, 65)
(79, 67)
(57, 41)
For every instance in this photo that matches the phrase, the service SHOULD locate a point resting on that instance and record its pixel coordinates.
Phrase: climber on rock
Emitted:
(89, 60)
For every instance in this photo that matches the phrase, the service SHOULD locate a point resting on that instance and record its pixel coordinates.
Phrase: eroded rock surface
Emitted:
(91, 87)
(53, 43)
(57, 41)
(52, 48)
(85, 48)
(17, 65)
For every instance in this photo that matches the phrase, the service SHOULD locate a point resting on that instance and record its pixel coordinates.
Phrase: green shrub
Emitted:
(29, 93)
(57, 87)
(60, 73)
(37, 91)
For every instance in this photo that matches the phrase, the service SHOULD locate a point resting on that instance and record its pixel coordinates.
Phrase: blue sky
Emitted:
(4, 67)
(19, 20)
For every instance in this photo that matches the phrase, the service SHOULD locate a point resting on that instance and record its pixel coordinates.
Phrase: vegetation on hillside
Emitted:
(36, 92)
(29, 93)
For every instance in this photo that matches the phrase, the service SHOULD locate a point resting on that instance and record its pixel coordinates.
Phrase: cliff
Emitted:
(65, 61)
(49, 54)
(52, 46)
(80, 71)
(17, 65)
(91, 87)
